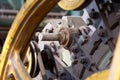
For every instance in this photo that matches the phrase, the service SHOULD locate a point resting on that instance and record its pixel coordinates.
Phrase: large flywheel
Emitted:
(23, 59)
(16, 44)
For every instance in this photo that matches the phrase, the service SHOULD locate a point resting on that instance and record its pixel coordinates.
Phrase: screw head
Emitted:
(94, 14)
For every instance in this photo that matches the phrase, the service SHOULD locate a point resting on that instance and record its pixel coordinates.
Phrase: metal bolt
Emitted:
(63, 76)
(94, 14)
(83, 60)
(75, 50)
(11, 77)
(101, 32)
(74, 62)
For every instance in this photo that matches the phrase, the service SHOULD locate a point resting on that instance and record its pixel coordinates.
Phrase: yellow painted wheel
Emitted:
(72, 4)
(19, 36)
(28, 60)
(103, 75)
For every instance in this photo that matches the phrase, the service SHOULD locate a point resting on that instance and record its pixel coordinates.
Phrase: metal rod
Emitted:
(55, 36)
(8, 11)
(50, 37)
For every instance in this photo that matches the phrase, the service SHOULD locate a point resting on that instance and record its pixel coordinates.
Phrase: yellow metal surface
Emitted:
(28, 60)
(27, 20)
(115, 67)
(103, 75)
(71, 4)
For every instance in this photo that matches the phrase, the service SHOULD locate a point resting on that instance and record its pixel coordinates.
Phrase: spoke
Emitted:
(23, 27)
(19, 71)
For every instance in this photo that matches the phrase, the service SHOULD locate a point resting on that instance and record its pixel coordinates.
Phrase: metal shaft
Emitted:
(50, 37)
(56, 36)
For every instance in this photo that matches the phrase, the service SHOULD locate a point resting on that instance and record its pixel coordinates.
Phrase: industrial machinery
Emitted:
(68, 48)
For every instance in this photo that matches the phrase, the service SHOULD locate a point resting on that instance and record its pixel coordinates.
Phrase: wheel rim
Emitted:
(16, 43)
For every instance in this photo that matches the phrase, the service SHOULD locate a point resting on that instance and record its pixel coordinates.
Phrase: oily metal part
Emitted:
(14, 46)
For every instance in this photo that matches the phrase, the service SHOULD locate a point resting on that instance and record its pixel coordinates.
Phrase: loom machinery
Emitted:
(82, 47)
